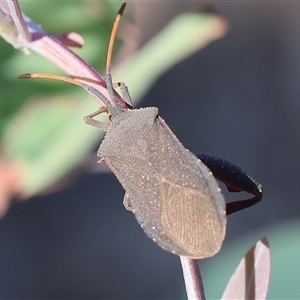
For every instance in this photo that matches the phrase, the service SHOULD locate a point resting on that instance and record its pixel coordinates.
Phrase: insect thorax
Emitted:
(127, 132)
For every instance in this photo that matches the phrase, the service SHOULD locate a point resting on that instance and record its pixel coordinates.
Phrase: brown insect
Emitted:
(172, 193)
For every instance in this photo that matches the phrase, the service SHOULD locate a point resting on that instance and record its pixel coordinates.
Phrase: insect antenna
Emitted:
(53, 77)
(97, 94)
(108, 79)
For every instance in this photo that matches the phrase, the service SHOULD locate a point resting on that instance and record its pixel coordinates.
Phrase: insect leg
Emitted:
(235, 206)
(112, 109)
(236, 180)
(90, 121)
(125, 92)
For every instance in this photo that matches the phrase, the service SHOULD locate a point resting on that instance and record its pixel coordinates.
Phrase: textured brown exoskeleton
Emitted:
(172, 193)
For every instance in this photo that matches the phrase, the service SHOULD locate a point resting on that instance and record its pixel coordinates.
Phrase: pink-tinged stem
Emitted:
(23, 33)
(18, 19)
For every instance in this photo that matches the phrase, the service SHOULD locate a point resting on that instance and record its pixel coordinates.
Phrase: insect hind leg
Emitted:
(235, 206)
(236, 180)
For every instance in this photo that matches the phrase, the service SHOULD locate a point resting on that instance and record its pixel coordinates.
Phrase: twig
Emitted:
(192, 279)
(18, 19)
(53, 48)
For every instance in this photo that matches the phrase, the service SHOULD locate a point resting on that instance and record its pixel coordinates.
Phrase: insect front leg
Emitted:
(236, 180)
(124, 92)
(90, 121)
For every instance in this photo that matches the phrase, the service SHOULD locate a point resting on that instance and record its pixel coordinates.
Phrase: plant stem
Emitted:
(18, 19)
(192, 279)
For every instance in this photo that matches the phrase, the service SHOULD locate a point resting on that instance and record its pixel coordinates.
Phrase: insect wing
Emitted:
(172, 194)
(193, 208)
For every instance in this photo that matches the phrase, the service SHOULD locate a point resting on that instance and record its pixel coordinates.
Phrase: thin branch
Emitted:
(49, 46)
(18, 20)
(192, 278)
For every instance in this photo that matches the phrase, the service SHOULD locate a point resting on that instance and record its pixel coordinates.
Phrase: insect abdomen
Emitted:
(172, 194)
